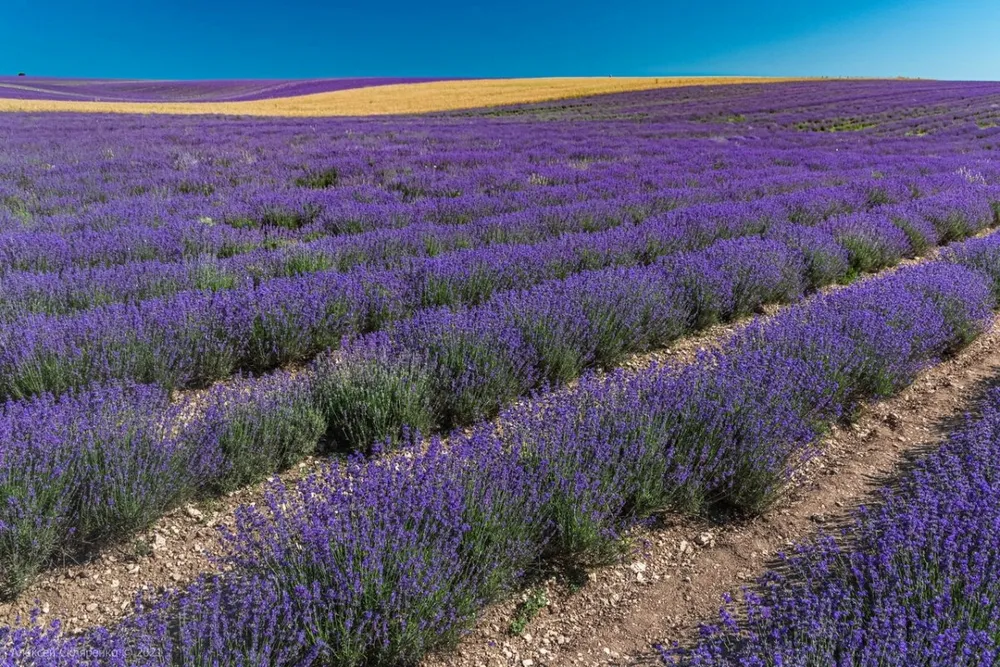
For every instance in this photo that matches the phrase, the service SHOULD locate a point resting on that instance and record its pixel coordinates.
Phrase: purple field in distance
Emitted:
(139, 90)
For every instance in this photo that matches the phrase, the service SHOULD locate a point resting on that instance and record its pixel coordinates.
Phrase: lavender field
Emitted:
(462, 316)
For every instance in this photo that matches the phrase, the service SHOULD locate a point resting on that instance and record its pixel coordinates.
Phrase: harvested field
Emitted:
(392, 99)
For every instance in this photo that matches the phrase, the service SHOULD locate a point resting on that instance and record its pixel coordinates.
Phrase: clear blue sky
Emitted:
(956, 39)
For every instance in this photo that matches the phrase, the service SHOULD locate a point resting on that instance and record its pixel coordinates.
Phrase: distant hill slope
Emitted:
(363, 97)
(137, 90)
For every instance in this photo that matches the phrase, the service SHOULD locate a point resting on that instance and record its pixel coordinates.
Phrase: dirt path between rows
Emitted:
(677, 571)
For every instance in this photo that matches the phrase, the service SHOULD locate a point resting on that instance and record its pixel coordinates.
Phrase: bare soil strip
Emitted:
(179, 547)
(675, 575)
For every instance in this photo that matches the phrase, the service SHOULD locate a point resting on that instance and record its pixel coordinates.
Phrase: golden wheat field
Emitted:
(404, 98)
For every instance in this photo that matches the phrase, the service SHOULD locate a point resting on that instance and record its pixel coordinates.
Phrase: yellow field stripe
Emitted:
(404, 98)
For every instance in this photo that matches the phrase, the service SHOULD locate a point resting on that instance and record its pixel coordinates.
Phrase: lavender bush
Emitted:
(255, 427)
(86, 468)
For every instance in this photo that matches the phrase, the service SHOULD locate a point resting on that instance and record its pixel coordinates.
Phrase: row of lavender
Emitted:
(80, 288)
(196, 337)
(912, 581)
(438, 369)
(382, 559)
